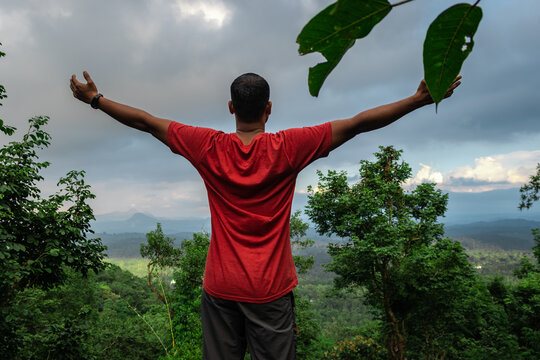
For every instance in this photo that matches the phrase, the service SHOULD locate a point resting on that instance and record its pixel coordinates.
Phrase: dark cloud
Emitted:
(452, 182)
(144, 54)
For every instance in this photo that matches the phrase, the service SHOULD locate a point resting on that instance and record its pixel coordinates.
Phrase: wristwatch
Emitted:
(95, 99)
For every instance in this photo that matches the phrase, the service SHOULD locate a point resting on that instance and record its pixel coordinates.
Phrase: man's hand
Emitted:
(83, 92)
(423, 96)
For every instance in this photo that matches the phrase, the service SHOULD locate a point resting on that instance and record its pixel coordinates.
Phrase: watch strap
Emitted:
(95, 99)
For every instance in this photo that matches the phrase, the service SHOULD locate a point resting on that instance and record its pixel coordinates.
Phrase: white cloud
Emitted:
(214, 13)
(501, 171)
(425, 174)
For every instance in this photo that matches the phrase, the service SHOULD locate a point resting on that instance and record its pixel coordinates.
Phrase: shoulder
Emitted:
(322, 130)
(188, 132)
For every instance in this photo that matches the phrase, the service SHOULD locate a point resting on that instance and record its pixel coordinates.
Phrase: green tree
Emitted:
(41, 239)
(414, 279)
(448, 42)
(523, 303)
(309, 330)
(529, 191)
(300, 242)
(186, 302)
(161, 254)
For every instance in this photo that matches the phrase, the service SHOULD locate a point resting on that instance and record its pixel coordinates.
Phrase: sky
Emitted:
(177, 58)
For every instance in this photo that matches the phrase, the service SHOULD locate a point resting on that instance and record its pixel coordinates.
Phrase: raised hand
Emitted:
(83, 92)
(425, 98)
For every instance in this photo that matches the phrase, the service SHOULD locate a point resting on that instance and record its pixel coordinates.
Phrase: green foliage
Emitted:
(299, 242)
(523, 304)
(523, 309)
(307, 341)
(449, 40)
(415, 281)
(161, 254)
(358, 347)
(41, 238)
(160, 250)
(86, 318)
(186, 301)
(529, 191)
(334, 30)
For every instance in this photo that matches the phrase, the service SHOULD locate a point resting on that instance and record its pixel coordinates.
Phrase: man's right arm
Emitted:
(376, 118)
(127, 115)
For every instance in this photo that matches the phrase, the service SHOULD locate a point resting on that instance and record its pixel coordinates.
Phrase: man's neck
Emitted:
(247, 131)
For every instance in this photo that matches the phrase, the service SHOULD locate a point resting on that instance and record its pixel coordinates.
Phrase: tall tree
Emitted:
(523, 306)
(161, 254)
(187, 297)
(394, 249)
(42, 239)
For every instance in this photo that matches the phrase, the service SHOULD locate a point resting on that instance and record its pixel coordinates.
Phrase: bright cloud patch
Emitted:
(426, 174)
(503, 171)
(212, 12)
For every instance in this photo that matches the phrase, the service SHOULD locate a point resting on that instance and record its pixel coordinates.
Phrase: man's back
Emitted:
(250, 189)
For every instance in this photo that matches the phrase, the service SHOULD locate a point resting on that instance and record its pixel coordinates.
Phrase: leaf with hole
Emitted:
(449, 40)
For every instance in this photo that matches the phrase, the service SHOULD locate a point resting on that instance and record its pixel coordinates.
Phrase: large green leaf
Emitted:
(449, 40)
(334, 30)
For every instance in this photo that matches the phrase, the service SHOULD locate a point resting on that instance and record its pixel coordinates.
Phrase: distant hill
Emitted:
(123, 237)
(508, 234)
(127, 245)
(143, 223)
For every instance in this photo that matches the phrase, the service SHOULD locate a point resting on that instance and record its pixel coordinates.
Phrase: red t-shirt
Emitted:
(250, 191)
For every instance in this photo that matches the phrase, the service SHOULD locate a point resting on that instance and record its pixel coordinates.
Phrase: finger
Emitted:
(87, 77)
(455, 85)
(75, 81)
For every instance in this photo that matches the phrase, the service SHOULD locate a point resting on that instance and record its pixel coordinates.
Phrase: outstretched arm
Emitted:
(343, 130)
(127, 115)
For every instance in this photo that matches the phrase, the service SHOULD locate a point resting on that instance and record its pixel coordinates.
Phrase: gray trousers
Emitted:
(268, 330)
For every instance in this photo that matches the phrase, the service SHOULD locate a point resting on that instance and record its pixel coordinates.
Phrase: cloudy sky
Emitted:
(176, 59)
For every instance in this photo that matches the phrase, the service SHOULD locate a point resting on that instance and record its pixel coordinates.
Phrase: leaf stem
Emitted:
(402, 2)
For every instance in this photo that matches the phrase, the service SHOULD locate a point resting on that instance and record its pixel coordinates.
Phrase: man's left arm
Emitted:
(381, 116)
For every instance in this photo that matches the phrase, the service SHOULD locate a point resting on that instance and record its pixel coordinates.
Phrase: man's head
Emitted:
(249, 97)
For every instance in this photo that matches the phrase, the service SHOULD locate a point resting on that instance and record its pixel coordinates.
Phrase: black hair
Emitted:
(249, 95)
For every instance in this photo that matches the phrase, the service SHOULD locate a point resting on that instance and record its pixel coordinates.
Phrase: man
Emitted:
(250, 177)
